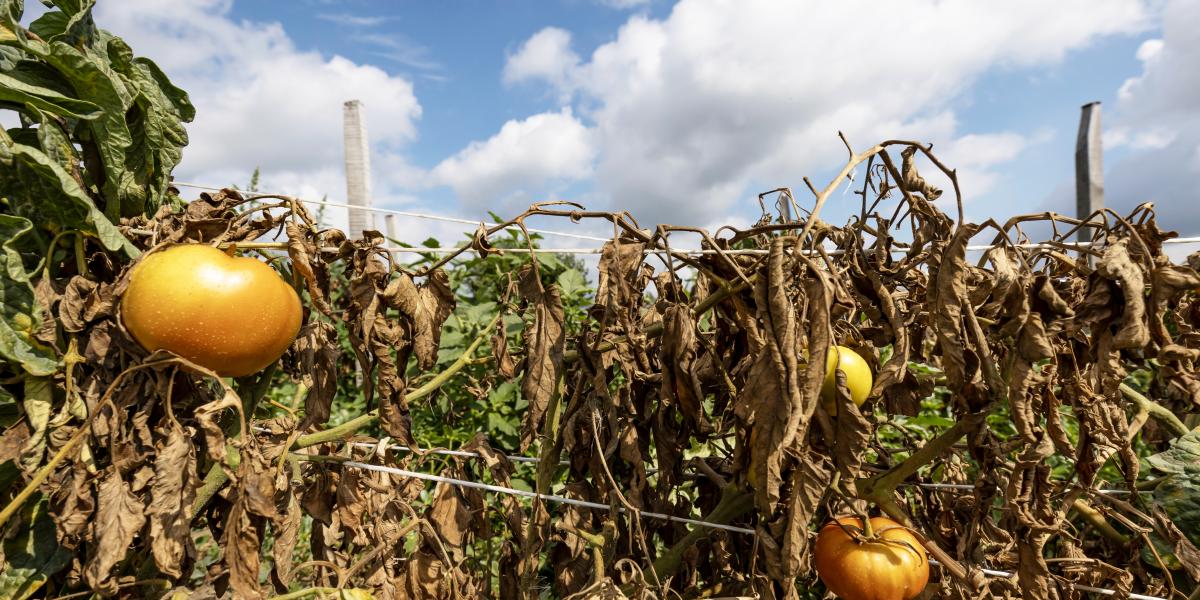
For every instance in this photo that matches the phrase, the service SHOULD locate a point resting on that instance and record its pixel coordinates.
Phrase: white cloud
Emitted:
(547, 56)
(1158, 118)
(524, 158)
(693, 111)
(352, 20)
(262, 102)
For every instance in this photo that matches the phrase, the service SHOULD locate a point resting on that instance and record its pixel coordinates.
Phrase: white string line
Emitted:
(654, 515)
(534, 460)
(402, 213)
(546, 497)
(449, 250)
(742, 252)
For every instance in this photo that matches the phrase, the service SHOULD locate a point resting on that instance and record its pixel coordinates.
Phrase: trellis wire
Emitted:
(651, 515)
(753, 251)
(402, 213)
(546, 497)
(534, 460)
(746, 251)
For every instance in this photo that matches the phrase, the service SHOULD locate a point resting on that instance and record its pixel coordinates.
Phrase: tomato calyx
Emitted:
(866, 535)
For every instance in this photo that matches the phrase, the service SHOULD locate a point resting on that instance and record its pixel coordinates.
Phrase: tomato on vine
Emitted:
(233, 315)
(858, 377)
(882, 560)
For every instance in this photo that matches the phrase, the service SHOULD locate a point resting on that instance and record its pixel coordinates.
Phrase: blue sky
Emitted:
(679, 112)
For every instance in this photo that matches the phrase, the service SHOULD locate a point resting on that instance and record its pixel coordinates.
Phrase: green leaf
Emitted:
(40, 189)
(29, 84)
(33, 556)
(55, 143)
(38, 404)
(572, 282)
(19, 315)
(9, 417)
(498, 424)
(93, 78)
(1182, 457)
(1179, 497)
(155, 123)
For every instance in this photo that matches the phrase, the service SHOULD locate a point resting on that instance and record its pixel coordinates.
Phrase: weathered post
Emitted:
(358, 167)
(390, 221)
(1089, 167)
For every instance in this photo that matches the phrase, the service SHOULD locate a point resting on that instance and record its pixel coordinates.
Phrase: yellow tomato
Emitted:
(233, 315)
(895, 569)
(858, 377)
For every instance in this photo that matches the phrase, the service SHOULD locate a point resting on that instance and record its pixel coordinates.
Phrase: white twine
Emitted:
(760, 252)
(402, 213)
(546, 497)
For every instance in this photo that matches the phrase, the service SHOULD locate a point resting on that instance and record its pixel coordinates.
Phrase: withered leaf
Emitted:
(241, 544)
(948, 294)
(172, 491)
(505, 365)
(317, 350)
(771, 404)
(208, 416)
(119, 517)
(545, 343)
(1117, 266)
(680, 383)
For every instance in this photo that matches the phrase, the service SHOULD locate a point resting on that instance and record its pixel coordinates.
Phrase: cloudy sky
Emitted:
(681, 111)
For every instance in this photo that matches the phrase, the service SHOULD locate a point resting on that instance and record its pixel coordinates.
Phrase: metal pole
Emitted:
(358, 167)
(1089, 167)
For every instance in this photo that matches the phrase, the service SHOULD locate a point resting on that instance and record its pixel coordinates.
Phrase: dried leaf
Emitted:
(172, 491)
(118, 519)
(545, 343)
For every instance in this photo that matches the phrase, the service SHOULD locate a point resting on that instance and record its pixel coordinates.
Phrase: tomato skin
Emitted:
(873, 570)
(858, 377)
(234, 315)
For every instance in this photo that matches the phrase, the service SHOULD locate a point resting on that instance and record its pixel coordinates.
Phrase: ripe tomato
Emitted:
(858, 377)
(875, 570)
(233, 315)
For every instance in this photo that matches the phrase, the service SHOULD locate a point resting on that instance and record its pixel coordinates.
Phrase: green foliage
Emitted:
(32, 556)
(453, 415)
(1179, 494)
(100, 132)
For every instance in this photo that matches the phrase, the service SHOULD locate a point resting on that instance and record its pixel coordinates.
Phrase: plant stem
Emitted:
(349, 427)
(883, 485)
(881, 489)
(1156, 410)
(1096, 519)
(734, 503)
(216, 477)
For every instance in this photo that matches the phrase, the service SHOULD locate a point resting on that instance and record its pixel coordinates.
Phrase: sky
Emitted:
(679, 112)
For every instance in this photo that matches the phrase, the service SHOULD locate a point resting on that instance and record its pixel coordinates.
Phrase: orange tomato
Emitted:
(234, 315)
(897, 569)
